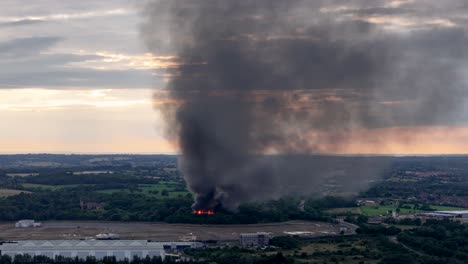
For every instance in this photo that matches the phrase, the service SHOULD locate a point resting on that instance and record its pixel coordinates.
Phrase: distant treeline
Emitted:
(64, 204)
(28, 162)
(63, 178)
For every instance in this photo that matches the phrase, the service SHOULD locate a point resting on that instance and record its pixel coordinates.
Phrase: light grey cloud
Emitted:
(18, 8)
(51, 71)
(404, 15)
(26, 46)
(46, 47)
(22, 22)
(78, 78)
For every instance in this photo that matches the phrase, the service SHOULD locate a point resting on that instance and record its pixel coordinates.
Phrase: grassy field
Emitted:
(383, 209)
(447, 208)
(50, 187)
(10, 192)
(153, 190)
(339, 211)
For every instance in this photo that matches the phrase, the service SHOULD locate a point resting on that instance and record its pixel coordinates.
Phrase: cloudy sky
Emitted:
(77, 77)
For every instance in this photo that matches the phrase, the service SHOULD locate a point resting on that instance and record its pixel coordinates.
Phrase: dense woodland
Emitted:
(121, 206)
(443, 239)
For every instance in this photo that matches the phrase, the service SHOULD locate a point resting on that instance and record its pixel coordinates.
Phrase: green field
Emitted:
(340, 211)
(446, 208)
(383, 209)
(153, 190)
(51, 187)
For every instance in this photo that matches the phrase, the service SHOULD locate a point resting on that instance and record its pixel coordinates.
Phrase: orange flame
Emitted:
(204, 212)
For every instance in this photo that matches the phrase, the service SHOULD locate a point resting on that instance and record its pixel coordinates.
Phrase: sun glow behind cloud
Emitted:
(116, 61)
(47, 100)
(123, 120)
(80, 120)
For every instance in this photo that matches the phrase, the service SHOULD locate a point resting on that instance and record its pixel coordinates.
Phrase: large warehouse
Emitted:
(456, 214)
(121, 249)
(447, 214)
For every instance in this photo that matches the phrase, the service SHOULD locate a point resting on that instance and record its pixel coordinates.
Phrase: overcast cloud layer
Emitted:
(71, 44)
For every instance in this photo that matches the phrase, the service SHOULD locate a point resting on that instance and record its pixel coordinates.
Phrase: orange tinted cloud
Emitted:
(116, 145)
(408, 140)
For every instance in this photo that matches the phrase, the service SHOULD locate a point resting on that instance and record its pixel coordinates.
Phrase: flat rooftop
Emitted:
(452, 212)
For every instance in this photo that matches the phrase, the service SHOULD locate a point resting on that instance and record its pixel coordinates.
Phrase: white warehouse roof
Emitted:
(453, 212)
(121, 249)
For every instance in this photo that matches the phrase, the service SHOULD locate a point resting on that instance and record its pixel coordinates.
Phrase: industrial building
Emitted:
(255, 239)
(178, 246)
(456, 214)
(121, 249)
(446, 214)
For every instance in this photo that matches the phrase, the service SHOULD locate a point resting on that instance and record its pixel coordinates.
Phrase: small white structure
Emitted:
(190, 237)
(109, 236)
(255, 239)
(304, 234)
(27, 223)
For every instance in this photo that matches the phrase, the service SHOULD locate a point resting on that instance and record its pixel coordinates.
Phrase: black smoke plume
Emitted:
(296, 78)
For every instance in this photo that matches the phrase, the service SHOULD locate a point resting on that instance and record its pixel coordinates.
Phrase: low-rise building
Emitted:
(107, 236)
(255, 239)
(91, 205)
(456, 214)
(446, 214)
(179, 246)
(376, 220)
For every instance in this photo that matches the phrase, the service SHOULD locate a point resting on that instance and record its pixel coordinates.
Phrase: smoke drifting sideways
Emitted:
(258, 77)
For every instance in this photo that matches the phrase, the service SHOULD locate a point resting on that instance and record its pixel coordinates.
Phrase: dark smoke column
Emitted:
(283, 76)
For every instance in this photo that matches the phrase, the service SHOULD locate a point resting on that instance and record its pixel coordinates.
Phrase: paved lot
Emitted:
(157, 231)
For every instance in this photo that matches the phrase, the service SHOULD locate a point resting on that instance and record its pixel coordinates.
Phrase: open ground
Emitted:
(158, 231)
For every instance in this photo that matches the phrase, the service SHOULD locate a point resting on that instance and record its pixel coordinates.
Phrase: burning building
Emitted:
(204, 212)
